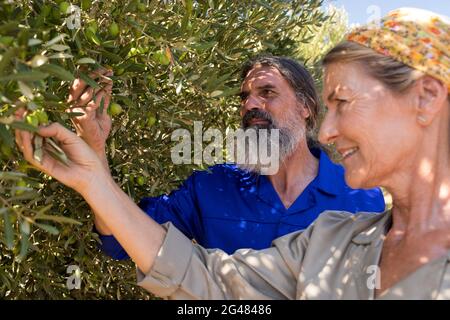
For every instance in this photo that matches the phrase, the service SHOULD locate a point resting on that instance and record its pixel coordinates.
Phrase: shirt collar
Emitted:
(330, 176)
(371, 227)
(330, 180)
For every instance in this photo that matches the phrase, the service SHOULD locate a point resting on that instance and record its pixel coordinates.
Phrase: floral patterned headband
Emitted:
(416, 37)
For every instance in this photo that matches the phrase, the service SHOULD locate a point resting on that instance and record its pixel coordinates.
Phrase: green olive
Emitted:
(32, 120)
(151, 120)
(6, 150)
(63, 6)
(86, 4)
(140, 180)
(42, 116)
(114, 29)
(141, 7)
(21, 184)
(115, 109)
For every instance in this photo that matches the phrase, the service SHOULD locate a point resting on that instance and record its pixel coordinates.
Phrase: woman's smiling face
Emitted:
(373, 128)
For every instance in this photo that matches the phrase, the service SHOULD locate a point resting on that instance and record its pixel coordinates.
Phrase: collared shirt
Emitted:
(337, 257)
(229, 209)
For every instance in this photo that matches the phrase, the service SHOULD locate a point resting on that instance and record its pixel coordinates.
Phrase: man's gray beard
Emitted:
(288, 140)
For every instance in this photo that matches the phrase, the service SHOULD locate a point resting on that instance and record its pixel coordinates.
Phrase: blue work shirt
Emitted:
(228, 208)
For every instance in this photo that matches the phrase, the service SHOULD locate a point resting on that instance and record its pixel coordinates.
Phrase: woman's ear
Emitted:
(432, 98)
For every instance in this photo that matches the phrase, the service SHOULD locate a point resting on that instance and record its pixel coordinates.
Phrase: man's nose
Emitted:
(328, 130)
(251, 103)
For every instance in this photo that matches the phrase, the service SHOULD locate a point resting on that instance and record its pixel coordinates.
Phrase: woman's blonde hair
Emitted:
(394, 74)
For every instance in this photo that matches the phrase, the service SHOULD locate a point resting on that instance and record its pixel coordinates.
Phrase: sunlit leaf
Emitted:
(57, 71)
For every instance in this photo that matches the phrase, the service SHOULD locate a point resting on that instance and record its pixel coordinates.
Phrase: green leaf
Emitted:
(50, 229)
(230, 92)
(38, 151)
(25, 90)
(6, 58)
(125, 100)
(59, 47)
(56, 39)
(112, 56)
(58, 219)
(91, 36)
(75, 114)
(33, 42)
(56, 152)
(8, 229)
(265, 4)
(88, 80)
(5, 136)
(25, 227)
(23, 126)
(57, 71)
(24, 246)
(189, 6)
(9, 26)
(61, 55)
(11, 175)
(25, 76)
(204, 45)
(86, 61)
(102, 105)
(216, 93)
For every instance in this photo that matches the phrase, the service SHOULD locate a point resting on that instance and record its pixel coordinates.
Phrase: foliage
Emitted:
(316, 41)
(174, 62)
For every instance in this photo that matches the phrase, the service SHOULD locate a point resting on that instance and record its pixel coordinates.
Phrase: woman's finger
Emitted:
(18, 139)
(57, 131)
(27, 148)
(76, 90)
(85, 97)
(102, 94)
(79, 86)
(20, 113)
(106, 105)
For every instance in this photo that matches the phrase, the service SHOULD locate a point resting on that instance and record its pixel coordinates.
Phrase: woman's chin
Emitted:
(356, 181)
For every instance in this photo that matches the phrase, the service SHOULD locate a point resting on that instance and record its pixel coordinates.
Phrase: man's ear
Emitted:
(431, 99)
(304, 111)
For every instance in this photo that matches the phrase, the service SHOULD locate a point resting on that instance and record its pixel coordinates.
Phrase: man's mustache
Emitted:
(256, 114)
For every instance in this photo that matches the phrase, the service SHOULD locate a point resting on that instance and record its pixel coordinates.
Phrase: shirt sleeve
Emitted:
(179, 207)
(183, 270)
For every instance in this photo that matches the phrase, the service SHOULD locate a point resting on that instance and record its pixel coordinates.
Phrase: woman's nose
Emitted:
(328, 131)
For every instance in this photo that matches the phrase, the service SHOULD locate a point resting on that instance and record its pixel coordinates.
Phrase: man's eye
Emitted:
(267, 92)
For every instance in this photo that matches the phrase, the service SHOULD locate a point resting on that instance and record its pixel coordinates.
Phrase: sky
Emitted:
(360, 11)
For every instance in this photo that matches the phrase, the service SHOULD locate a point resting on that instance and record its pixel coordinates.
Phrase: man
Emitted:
(235, 206)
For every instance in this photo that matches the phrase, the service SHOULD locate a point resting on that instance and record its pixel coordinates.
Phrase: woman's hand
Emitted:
(83, 167)
(95, 125)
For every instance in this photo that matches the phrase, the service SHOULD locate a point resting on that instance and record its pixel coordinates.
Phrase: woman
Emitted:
(388, 115)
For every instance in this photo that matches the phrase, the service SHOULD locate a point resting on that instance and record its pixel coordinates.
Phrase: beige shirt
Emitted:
(335, 258)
